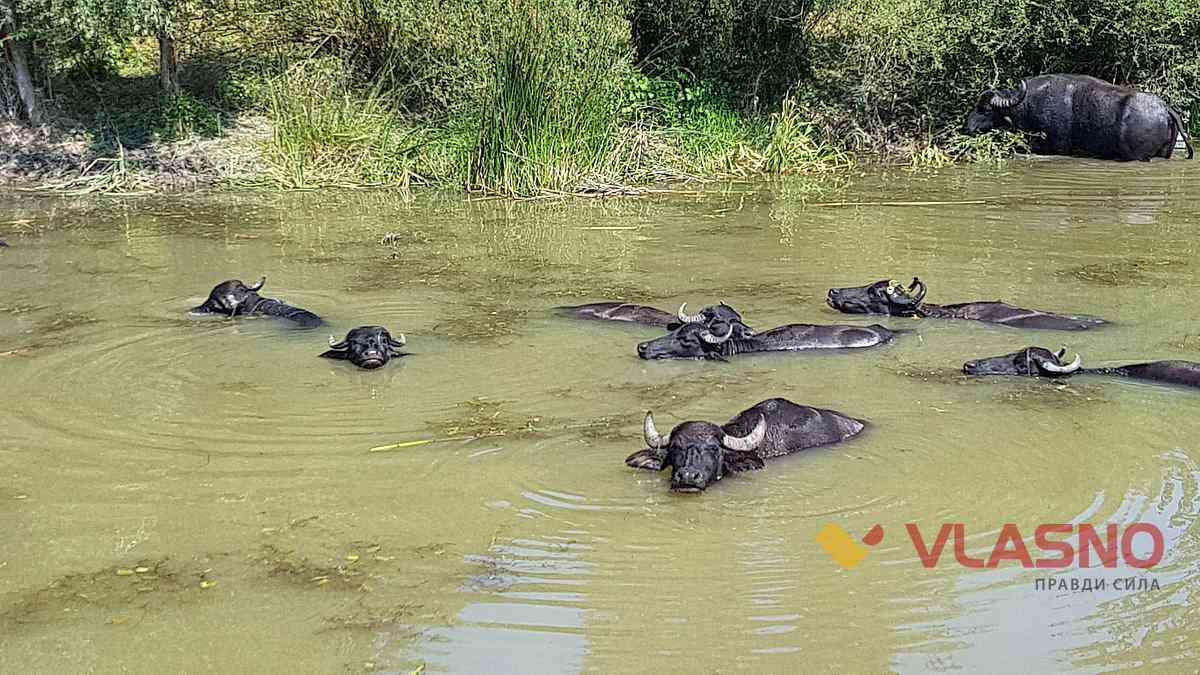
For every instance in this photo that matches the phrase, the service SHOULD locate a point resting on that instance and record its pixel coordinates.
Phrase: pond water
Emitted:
(180, 494)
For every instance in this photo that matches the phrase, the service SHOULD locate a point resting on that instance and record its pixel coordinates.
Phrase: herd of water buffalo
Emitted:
(1064, 114)
(701, 453)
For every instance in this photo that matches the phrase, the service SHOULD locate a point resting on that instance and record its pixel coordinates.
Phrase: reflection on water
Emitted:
(495, 527)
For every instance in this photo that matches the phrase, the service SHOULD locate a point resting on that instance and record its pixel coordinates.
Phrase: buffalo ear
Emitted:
(741, 460)
(649, 458)
(335, 354)
(200, 311)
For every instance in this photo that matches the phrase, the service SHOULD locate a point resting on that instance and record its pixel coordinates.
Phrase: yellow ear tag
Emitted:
(915, 317)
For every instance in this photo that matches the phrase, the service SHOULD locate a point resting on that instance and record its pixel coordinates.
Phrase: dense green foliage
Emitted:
(893, 68)
(523, 96)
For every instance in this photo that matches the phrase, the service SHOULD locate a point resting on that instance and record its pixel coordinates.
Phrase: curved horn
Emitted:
(259, 285)
(650, 432)
(334, 344)
(711, 339)
(919, 287)
(749, 441)
(689, 318)
(1061, 353)
(1061, 370)
(1001, 101)
(398, 342)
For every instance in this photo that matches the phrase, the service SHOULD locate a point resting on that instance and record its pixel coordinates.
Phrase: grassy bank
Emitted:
(565, 96)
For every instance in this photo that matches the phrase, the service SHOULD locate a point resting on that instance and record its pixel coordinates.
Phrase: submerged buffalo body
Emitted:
(701, 453)
(1037, 361)
(619, 311)
(890, 297)
(367, 347)
(234, 298)
(652, 316)
(701, 341)
(1082, 116)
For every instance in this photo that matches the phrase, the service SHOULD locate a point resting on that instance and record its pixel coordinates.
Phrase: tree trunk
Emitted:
(168, 68)
(18, 54)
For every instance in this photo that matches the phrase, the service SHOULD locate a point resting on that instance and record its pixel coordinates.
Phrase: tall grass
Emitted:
(538, 133)
(327, 134)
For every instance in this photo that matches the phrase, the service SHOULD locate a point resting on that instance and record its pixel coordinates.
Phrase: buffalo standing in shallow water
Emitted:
(889, 297)
(234, 298)
(1082, 116)
(1038, 361)
(367, 347)
(718, 340)
(701, 453)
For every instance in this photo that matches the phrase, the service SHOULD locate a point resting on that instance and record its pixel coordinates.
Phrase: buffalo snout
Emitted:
(689, 480)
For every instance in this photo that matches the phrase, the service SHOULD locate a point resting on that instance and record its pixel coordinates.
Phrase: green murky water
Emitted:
(181, 495)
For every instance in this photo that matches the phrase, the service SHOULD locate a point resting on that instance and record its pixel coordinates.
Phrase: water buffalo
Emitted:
(1082, 116)
(1037, 361)
(367, 347)
(890, 297)
(652, 316)
(701, 453)
(718, 340)
(619, 311)
(233, 298)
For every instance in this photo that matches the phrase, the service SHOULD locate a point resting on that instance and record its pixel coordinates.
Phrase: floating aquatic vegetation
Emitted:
(1052, 395)
(112, 589)
(481, 320)
(610, 428)
(1186, 342)
(346, 574)
(376, 619)
(683, 391)
(937, 375)
(1127, 272)
(486, 418)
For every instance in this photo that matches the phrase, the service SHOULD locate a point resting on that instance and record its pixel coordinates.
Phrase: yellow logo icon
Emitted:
(842, 548)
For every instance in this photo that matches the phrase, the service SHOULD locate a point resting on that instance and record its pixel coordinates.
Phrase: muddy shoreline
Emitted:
(53, 157)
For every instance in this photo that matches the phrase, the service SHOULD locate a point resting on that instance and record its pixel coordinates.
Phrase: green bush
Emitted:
(751, 51)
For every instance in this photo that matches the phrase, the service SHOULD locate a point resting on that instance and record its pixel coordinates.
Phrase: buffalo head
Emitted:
(721, 313)
(366, 347)
(689, 341)
(699, 453)
(1029, 361)
(231, 297)
(881, 297)
(993, 110)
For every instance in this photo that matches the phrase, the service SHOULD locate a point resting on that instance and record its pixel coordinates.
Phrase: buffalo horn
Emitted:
(1001, 101)
(749, 441)
(1062, 370)
(398, 342)
(650, 432)
(334, 344)
(711, 339)
(684, 317)
(918, 286)
(258, 286)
